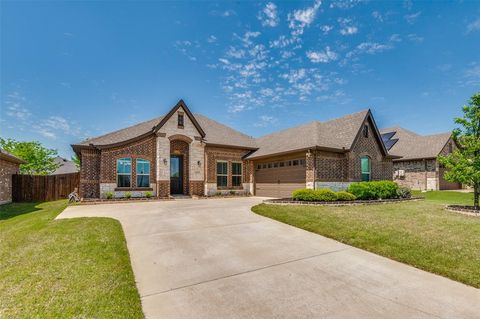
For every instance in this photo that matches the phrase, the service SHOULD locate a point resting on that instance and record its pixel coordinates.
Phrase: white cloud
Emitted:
(235, 53)
(377, 16)
(395, 38)
(347, 27)
(294, 75)
(473, 26)
(415, 38)
(472, 74)
(368, 48)
(212, 39)
(225, 13)
(299, 19)
(412, 18)
(16, 108)
(326, 28)
(266, 120)
(269, 16)
(322, 56)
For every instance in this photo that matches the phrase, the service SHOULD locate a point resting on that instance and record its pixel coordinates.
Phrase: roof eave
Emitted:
(12, 158)
(318, 148)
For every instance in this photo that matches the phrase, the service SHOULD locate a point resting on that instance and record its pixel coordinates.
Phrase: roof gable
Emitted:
(180, 104)
(375, 131)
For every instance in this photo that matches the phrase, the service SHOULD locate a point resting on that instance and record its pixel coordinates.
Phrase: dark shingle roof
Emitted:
(413, 146)
(336, 134)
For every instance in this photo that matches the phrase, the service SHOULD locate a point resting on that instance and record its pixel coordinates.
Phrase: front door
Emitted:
(176, 174)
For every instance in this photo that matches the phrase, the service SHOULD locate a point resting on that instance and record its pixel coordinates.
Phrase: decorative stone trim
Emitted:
(466, 210)
(289, 201)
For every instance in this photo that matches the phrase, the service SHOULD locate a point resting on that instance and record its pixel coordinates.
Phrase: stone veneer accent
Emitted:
(112, 187)
(7, 169)
(334, 186)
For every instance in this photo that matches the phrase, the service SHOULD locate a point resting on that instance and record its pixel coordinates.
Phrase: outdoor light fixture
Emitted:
(198, 162)
(165, 161)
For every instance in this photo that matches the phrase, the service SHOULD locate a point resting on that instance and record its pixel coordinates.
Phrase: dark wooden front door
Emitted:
(176, 174)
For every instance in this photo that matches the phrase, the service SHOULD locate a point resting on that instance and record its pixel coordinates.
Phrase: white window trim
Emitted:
(124, 174)
(241, 173)
(149, 169)
(217, 174)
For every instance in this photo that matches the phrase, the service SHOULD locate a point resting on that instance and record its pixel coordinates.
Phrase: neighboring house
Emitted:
(182, 153)
(65, 166)
(418, 167)
(9, 165)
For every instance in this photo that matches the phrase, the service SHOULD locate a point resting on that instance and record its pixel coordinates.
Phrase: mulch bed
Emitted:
(96, 201)
(466, 210)
(290, 201)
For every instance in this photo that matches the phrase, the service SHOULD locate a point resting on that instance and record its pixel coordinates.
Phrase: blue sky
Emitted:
(71, 70)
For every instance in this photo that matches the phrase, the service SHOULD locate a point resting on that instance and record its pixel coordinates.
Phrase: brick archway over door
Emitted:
(179, 147)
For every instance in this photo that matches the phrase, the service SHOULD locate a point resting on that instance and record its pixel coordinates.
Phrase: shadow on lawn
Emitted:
(11, 210)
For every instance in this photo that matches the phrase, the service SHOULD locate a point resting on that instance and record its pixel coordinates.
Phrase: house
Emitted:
(183, 153)
(9, 165)
(418, 168)
(64, 166)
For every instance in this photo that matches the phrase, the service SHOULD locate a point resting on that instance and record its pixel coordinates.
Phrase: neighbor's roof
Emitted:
(66, 166)
(338, 133)
(215, 133)
(10, 157)
(413, 146)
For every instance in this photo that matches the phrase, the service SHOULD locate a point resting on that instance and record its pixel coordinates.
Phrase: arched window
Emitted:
(143, 173)
(124, 172)
(366, 168)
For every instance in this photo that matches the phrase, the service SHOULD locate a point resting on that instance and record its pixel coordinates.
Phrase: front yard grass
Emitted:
(421, 233)
(78, 268)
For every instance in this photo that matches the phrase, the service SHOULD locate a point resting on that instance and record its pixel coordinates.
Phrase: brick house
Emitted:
(418, 167)
(9, 165)
(183, 153)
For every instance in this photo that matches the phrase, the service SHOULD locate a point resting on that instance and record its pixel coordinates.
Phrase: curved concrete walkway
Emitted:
(216, 259)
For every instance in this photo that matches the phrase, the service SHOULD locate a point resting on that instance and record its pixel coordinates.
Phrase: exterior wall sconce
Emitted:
(165, 161)
(199, 163)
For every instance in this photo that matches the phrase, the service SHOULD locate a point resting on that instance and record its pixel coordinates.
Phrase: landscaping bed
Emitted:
(291, 201)
(96, 201)
(462, 209)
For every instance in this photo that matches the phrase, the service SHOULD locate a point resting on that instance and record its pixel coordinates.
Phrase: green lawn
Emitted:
(78, 268)
(420, 233)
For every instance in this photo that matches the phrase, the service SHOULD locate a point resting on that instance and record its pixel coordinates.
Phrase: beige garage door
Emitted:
(279, 178)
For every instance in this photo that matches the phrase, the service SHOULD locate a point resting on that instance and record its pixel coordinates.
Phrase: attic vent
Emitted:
(365, 130)
(180, 120)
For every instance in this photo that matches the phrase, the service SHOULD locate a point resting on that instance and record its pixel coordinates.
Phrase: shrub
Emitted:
(345, 196)
(404, 192)
(128, 195)
(108, 195)
(319, 195)
(374, 190)
(232, 192)
(148, 194)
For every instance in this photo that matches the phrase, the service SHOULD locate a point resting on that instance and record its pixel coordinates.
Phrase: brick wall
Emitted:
(330, 166)
(213, 154)
(7, 169)
(90, 173)
(418, 173)
(381, 168)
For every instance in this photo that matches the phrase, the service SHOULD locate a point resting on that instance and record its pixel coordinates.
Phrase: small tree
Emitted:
(40, 160)
(463, 165)
(76, 161)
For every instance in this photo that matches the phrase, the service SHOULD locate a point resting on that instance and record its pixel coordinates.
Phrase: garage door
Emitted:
(280, 178)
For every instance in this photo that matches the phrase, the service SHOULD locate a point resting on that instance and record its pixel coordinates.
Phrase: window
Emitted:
(222, 174)
(282, 164)
(366, 168)
(295, 162)
(236, 174)
(275, 165)
(259, 166)
(365, 130)
(143, 173)
(302, 162)
(180, 119)
(269, 165)
(264, 165)
(124, 172)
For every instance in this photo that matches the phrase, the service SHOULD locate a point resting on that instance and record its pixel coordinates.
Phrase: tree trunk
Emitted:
(476, 194)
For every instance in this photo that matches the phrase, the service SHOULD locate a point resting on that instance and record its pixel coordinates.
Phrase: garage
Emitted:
(279, 178)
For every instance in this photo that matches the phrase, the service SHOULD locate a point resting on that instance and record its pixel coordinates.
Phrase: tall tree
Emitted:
(463, 165)
(40, 160)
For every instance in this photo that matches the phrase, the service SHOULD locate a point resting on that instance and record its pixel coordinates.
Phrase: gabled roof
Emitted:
(337, 134)
(414, 146)
(65, 166)
(10, 157)
(212, 131)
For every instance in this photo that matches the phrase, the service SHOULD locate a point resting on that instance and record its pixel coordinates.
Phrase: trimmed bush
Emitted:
(374, 190)
(314, 195)
(345, 196)
(128, 195)
(148, 194)
(108, 195)
(404, 192)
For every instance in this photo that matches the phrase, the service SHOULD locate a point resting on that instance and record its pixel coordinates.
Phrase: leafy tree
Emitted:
(40, 160)
(76, 160)
(463, 165)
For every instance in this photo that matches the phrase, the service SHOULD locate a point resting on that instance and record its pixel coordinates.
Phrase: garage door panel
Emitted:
(277, 190)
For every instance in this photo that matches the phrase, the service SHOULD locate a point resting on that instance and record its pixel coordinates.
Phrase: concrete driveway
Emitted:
(216, 259)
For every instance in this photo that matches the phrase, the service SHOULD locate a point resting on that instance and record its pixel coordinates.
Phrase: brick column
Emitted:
(310, 170)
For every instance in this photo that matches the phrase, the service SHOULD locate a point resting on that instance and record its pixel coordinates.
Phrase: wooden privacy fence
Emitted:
(29, 188)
